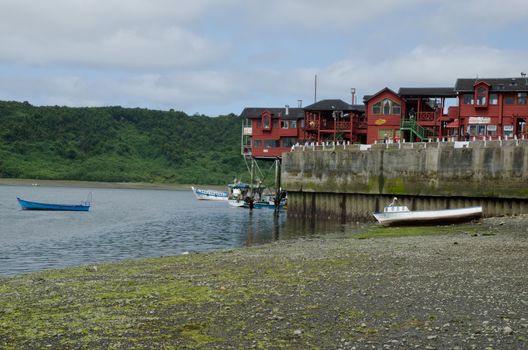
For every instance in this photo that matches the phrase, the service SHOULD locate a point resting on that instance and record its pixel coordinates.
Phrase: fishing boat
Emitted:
(240, 197)
(28, 205)
(401, 215)
(238, 193)
(211, 195)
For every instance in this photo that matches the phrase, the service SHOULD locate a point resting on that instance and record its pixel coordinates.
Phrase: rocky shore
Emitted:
(453, 287)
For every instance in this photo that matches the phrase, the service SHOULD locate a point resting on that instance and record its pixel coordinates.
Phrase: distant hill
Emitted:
(118, 144)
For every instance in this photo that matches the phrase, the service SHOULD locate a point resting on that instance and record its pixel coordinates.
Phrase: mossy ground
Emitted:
(303, 294)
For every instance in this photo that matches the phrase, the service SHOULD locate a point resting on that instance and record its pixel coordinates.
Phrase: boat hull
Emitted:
(27, 205)
(422, 217)
(210, 195)
(236, 203)
(259, 205)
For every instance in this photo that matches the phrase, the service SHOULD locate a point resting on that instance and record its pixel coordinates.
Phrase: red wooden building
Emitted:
(480, 108)
(413, 114)
(268, 132)
(492, 107)
(473, 108)
(335, 120)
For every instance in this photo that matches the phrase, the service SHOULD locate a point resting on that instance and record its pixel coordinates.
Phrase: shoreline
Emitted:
(97, 184)
(460, 288)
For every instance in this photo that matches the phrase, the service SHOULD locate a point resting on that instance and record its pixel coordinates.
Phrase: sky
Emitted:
(215, 57)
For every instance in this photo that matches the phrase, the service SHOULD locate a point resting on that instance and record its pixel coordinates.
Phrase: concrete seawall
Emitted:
(349, 182)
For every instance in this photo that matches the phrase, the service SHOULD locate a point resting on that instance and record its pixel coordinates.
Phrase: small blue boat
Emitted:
(27, 205)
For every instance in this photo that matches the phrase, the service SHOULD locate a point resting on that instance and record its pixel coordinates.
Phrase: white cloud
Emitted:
(422, 66)
(210, 55)
(136, 33)
(426, 66)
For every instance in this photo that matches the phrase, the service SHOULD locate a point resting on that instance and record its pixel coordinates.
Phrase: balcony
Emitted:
(326, 124)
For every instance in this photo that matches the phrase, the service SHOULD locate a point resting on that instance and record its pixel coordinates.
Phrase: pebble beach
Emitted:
(453, 287)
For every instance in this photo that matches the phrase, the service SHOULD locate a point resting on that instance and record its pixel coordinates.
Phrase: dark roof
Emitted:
(367, 98)
(360, 108)
(256, 112)
(496, 84)
(427, 92)
(331, 105)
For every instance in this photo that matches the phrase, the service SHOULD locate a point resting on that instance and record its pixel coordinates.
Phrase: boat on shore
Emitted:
(211, 195)
(29, 205)
(401, 215)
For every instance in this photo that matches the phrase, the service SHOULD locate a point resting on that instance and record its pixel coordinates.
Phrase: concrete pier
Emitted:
(349, 182)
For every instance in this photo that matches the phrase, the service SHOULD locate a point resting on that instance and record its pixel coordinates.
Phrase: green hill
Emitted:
(117, 144)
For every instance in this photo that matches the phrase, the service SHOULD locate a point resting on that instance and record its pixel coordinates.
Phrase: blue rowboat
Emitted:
(27, 205)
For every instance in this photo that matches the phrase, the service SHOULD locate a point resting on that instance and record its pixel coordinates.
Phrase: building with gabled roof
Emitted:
(474, 108)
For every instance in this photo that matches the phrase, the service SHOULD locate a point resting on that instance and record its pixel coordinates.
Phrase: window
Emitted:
(293, 124)
(468, 99)
(302, 123)
(288, 141)
(492, 130)
(386, 107)
(395, 108)
(275, 123)
(508, 130)
(376, 109)
(508, 100)
(521, 98)
(284, 124)
(266, 121)
(271, 143)
(257, 143)
(482, 93)
(493, 99)
(475, 130)
(384, 133)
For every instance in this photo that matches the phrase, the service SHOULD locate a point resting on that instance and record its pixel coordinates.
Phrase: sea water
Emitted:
(127, 224)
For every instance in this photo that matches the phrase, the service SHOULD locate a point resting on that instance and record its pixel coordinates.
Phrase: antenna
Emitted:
(299, 103)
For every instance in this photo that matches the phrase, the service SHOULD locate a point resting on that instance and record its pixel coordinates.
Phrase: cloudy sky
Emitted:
(216, 57)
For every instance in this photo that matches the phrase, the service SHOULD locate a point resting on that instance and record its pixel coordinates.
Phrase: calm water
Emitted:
(125, 224)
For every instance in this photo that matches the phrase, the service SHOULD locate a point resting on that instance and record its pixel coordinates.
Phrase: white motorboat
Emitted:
(211, 195)
(401, 215)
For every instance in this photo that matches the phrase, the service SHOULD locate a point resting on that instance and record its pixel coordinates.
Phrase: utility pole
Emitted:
(278, 194)
(315, 89)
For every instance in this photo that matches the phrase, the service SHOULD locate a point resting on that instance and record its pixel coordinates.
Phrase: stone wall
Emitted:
(351, 181)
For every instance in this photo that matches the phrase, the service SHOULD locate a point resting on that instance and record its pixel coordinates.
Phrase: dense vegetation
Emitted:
(117, 144)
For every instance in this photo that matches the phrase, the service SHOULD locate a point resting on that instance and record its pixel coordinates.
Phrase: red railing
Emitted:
(428, 116)
(343, 125)
(339, 125)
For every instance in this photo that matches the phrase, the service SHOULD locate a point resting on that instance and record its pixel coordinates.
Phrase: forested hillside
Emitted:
(117, 144)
